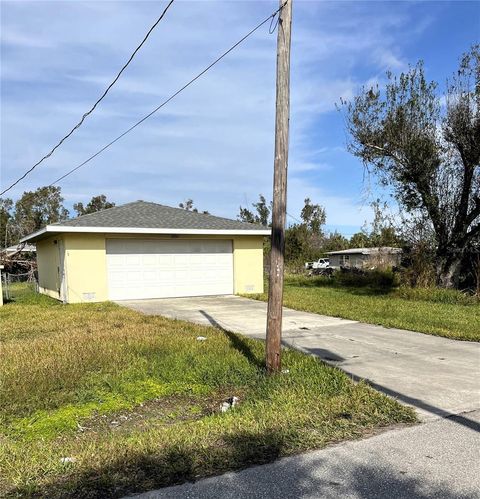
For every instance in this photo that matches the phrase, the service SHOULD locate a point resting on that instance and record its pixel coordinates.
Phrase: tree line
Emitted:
(307, 239)
(35, 209)
(304, 240)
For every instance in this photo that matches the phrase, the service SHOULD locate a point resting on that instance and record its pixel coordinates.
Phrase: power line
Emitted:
(96, 103)
(293, 218)
(195, 78)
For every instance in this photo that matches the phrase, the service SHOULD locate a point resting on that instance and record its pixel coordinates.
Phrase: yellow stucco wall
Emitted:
(248, 264)
(48, 259)
(86, 268)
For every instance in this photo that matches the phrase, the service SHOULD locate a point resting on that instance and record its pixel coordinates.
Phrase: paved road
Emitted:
(437, 376)
(439, 459)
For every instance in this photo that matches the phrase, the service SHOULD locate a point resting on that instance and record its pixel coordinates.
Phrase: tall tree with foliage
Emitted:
(297, 244)
(97, 203)
(426, 152)
(6, 206)
(381, 232)
(360, 240)
(304, 240)
(36, 209)
(335, 242)
(259, 215)
(313, 216)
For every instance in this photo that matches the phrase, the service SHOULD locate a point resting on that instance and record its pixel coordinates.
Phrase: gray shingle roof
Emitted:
(142, 214)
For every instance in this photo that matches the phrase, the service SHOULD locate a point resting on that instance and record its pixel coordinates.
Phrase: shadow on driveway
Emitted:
(329, 356)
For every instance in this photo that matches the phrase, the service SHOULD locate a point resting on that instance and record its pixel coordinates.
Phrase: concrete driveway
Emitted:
(437, 376)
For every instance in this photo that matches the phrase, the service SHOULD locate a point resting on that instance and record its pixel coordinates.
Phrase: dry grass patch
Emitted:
(132, 401)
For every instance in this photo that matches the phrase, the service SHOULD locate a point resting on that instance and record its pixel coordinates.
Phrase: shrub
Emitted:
(373, 278)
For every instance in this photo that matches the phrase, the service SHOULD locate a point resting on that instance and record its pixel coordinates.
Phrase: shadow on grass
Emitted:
(133, 472)
(236, 341)
(337, 474)
(365, 290)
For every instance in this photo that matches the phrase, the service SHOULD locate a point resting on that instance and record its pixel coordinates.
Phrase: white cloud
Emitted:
(15, 38)
(340, 210)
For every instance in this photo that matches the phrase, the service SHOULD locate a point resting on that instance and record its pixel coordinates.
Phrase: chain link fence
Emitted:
(12, 284)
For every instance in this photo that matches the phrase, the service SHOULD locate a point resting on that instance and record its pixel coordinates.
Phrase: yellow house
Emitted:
(146, 250)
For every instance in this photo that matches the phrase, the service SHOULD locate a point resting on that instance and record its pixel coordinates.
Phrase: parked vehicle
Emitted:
(321, 263)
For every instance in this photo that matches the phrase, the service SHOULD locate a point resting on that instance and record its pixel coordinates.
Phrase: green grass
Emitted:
(447, 313)
(134, 401)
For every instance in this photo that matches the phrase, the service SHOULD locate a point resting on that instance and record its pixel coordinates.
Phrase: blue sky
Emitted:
(214, 143)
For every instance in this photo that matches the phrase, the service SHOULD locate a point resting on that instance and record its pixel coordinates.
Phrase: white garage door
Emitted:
(139, 269)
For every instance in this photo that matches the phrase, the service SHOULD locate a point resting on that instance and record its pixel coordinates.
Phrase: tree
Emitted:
(36, 209)
(335, 242)
(383, 232)
(313, 216)
(264, 211)
(188, 206)
(429, 155)
(246, 215)
(297, 247)
(6, 205)
(261, 215)
(97, 203)
(305, 240)
(360, 240)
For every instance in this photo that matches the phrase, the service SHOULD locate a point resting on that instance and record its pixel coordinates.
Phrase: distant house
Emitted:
(365, 258)
(20, 248)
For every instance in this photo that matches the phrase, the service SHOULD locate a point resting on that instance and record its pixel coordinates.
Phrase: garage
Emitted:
(143, 268)
(144, 250)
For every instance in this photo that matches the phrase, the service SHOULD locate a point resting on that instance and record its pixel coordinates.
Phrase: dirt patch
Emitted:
(164, 411)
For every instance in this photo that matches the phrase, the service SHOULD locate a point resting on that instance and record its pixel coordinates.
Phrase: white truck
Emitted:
(321, 263)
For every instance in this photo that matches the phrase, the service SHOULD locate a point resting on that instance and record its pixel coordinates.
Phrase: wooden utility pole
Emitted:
(279, 210)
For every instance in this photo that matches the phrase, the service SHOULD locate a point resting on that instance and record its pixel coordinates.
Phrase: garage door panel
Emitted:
(132, 260)
(149, 259)
(150, 278)
(140, 269)
(180, 260)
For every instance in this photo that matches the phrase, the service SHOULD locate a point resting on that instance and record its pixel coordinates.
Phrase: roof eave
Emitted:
(34, 236)
(56, 229)
(365, 252)
(345, 253)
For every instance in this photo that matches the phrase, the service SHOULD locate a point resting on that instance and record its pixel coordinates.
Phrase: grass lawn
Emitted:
(100, 401)
(439, 312)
